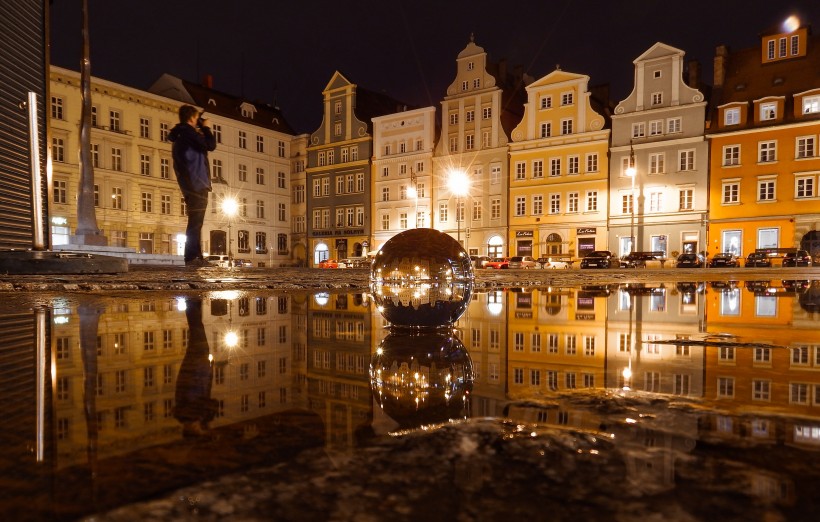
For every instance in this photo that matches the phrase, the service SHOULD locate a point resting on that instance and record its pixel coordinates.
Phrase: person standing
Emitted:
(193, 139)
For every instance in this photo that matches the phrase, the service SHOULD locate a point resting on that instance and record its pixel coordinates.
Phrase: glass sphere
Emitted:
(421, 278)
(421, 377)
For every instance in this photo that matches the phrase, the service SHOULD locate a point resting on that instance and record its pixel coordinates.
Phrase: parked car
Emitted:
(220, 260)
(242, 262)
(329, 263)
(799, 258)
(599, 259)
(689, 261)
(522, 262)
(354, 262)
(724, 259)
(549, 262)
(498, 263)
(758, 259)
(479, 261)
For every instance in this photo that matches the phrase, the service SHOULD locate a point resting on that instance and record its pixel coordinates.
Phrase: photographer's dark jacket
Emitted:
(190, 152)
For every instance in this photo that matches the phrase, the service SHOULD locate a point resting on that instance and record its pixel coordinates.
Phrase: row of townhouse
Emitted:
(548, 162)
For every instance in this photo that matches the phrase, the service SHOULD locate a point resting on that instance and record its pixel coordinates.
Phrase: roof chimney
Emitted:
(721, 55)
(694, 74)
(208, 81)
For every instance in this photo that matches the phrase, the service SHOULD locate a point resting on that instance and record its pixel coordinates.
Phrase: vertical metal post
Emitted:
(36, 173)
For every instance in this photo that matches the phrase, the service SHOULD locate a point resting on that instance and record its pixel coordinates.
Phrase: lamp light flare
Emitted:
(230, 206)
(458, 182)
(791, 24)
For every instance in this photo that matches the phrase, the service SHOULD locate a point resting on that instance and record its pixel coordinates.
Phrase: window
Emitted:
(262, 242)
(145, 164)
(546, 129)
(805, 187)
(469, 141)
(731, 192)
(165, 168)
(572, 202)
(495, 208)
(566, 98)
(281, 212)
(592, 201)
(95, 155)
(487, 113)
(147, 202)
(555, 167)
(805, 147)
(656, 202)
(116, 158)
(782, 47)
(573, 165)
(761, 390)
(116, 198)
(260, 144)
(281, 181)
(626, 203)
(520, 170)
(453, 144)
(260, 209)
(795, 44)
(537, 169)
(811, 104)
(686, 199)
(592, 162)
(766, 190)
(443, 212)
(280, 149)
(770, 50)
(673, 125)
(638, 130)
(546, 102)
(731, 155)
(656, 163)
(260, 176)
(686, 160)
(726, 387)
(470, 115)
(453, 119)
(555, 203)
(656, 128)
(520, 206)
(56, 108)
(768, 111)
(731, 116)
(114, 120)
(217, 130)
(385, 193)
(216, 169)
(60, 190)
(243, 140)
(566, 126)
(766, 151)
(657, 98)
(538, 205)
(145, 127)
(165, 204)
(58, 149)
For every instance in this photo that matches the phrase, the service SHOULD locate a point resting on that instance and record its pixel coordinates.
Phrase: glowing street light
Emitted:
(459, 184)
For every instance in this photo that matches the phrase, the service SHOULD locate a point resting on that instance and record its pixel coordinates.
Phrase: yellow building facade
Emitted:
(559, 171)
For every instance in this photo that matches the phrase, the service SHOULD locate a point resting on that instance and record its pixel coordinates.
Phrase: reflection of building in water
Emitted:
(555, 340)
(769, 364)
(483, 330)
(338, 358)
(640, 317)
(139, 348)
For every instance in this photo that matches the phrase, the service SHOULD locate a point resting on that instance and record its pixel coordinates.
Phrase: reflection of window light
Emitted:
(760, 428)
(730, 302)
(182, 304)
(766, 306)
(61, 320)
(495, 308)
(321, 298)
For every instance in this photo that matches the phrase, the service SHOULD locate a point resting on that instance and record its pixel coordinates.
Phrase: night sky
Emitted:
(285, 52)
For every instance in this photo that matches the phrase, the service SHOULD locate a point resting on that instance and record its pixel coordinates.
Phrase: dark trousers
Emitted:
(196, 203)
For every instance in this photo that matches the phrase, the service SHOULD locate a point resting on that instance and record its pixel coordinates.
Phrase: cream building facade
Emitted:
(402, 172)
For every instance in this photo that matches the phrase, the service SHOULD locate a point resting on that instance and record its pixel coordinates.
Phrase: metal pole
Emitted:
(36, 173)
(632, 219)
(458, 217)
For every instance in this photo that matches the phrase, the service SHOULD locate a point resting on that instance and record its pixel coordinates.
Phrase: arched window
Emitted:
(553, 243)
(320, 253)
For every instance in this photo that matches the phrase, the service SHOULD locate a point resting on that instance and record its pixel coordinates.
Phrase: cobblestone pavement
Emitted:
(180, 278)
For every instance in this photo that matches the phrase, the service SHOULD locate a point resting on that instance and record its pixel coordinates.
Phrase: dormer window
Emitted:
(657, 98)
(782, 46)
(770, 50)
(795, 45)
(768, 111)
(337, 108)
(470, 66)
(656, 74)
(811, 104)
(247, 110)
(731, 116)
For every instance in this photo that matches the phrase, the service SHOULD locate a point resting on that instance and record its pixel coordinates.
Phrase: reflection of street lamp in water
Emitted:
(229, 209)
(459, 184)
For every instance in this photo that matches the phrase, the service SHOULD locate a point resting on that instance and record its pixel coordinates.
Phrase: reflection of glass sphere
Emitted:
(421, 377)
(421, 278)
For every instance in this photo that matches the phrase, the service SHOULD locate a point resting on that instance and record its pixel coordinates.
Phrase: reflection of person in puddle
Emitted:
(194, 407)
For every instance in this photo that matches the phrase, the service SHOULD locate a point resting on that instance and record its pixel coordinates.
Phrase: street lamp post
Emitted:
(459, 184)
(413, 192)
(229, 209)
(632, 172)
